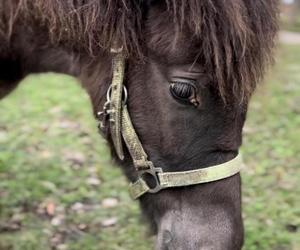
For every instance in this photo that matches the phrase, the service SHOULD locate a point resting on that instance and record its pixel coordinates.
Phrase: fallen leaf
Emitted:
(92, 170)
(56, 239)
(3, 136)
(78, 207)
(17, 218)
(109, 222)
(93, 181)
(10, 227)
(86, 140)
(109, 203)
(50, 208)
(55, 110)
(67, 124)
(82, 227)
(45, 154)
(62, 247)
(249, 130)
(76, 158)
(57, 221)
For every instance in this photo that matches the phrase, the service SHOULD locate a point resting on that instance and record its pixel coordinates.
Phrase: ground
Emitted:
(58, 189)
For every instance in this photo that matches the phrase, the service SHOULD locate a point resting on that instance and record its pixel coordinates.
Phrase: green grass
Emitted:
(56, 175)
(293, 26)
(271, 149)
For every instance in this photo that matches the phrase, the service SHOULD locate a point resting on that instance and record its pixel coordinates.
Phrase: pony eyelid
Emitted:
(184, 79)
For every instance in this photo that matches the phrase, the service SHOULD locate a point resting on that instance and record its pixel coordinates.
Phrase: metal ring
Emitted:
(108, 94)
(153, 173)
(116, 50)
(125, 95)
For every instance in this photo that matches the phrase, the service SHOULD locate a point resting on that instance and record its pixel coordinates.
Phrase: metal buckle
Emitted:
(103, 115)
(151, 176)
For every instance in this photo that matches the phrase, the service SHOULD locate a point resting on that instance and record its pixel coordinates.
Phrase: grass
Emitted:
(58, 189)
(293, 26)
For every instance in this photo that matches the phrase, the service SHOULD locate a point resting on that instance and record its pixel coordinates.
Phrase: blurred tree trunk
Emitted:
(296, 11)
(297, 5)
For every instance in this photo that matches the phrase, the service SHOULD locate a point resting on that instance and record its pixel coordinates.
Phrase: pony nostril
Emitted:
(167, 237)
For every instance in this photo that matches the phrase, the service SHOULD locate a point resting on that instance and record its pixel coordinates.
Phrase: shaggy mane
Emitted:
(236, 36)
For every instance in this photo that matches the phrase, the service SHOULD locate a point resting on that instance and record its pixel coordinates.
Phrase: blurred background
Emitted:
(59, 191)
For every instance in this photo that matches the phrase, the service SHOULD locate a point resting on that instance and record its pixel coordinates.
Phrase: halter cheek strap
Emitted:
(116, 103)
(150, 179)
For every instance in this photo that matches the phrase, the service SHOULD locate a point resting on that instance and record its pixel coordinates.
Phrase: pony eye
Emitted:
(183, 91)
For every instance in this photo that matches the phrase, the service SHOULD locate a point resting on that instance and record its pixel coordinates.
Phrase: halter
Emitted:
(150, 178)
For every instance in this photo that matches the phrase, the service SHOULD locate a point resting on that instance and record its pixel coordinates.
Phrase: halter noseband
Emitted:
(150, 179)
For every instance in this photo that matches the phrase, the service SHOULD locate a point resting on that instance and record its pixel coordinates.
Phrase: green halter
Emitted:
(121, 127)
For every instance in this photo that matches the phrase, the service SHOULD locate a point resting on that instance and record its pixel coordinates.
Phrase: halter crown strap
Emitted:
(150, 179)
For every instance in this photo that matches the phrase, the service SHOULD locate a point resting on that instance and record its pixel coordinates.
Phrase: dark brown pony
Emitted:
(222, 47)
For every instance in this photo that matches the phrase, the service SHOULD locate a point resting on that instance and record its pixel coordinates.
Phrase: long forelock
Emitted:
(237, 40)
(236, 36)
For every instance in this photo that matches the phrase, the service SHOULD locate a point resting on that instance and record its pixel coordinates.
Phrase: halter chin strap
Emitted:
(150, 179)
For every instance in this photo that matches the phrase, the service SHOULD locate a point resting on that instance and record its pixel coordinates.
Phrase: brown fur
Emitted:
(228, 30)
